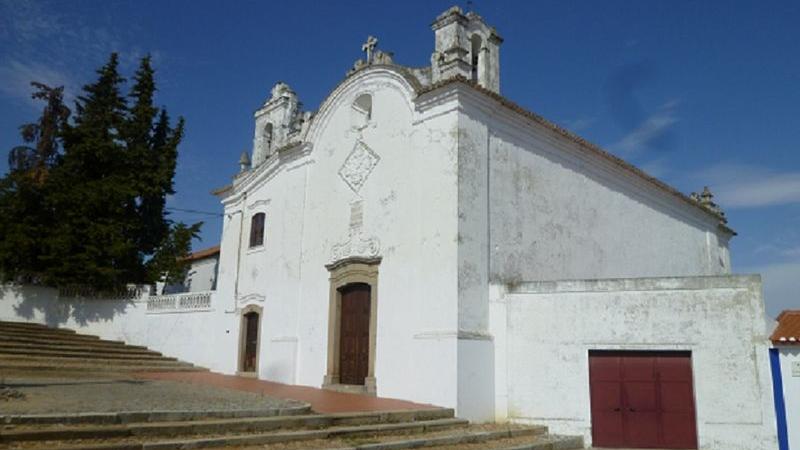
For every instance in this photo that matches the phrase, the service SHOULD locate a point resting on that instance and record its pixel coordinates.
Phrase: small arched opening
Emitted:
(266, 138)
(477, 43)
(361, 111)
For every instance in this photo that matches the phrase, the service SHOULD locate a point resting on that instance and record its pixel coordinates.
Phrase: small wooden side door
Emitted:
(250, 342)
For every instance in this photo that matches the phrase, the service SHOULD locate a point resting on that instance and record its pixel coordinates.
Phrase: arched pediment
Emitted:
(368, 80)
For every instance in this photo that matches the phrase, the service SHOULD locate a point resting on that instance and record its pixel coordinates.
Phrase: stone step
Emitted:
(5, 328)
(29, 326)
(56, 359)
(124, 417)
(397, 420)
(401, 433)
(34, 340)
(61, 337)
(463, 438)
(110, 349)
(552, 442)
(92, 367)
(92, 354)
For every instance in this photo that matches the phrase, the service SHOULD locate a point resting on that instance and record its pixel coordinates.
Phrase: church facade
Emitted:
(422, 237)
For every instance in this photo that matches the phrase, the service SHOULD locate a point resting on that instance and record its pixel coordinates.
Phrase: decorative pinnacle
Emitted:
(244, 161)
(706, 199)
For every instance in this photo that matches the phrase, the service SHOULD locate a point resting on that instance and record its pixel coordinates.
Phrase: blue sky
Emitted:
(696, 93)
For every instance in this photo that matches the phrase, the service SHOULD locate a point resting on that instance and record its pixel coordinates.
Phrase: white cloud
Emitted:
(658, 168)
(750, 186)
(579, 124)
(650, 129)
(16, 77)
(781, 285)
(58, 47)
(791, 251)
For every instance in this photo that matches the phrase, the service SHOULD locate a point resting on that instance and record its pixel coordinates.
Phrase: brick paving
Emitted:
(322, 401)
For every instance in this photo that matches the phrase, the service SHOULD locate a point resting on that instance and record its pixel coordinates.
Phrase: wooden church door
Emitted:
(354, 337)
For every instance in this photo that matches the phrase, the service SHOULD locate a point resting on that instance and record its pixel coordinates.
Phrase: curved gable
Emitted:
(366, 81)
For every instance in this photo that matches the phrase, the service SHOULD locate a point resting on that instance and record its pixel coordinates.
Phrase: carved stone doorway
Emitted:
(352, 325)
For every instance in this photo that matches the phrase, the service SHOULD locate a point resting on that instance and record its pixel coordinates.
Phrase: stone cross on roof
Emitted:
(369, 47)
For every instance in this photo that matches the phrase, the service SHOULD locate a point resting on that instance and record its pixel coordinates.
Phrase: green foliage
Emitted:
(84, 201)
(164, 265)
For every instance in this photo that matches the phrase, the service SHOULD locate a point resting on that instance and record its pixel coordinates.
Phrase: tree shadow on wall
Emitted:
(33, 301)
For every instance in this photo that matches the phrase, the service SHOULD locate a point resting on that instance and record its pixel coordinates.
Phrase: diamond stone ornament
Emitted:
(358, 165)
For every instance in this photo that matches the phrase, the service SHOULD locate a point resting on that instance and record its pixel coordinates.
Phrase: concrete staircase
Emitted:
(424, 428)
(28, 347)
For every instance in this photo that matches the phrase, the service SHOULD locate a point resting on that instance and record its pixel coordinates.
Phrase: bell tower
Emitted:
(467, 47)
(275, 121)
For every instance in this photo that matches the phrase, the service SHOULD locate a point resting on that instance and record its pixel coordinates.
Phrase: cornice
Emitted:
(279, 161)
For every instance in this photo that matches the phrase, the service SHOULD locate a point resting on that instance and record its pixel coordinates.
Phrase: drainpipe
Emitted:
(780, 401)
(238, 254)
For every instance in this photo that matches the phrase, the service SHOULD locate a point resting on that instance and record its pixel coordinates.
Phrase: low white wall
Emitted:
(203, 335)
(789, 356)
(552, 326)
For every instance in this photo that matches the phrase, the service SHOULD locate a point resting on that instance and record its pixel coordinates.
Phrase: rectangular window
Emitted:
(257, 230)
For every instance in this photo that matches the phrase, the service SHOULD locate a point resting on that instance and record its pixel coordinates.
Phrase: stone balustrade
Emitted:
(184, 302)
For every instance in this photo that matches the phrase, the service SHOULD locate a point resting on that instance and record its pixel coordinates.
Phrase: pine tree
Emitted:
(154, 146)
(24, 214)
(90, 242)
(95, 213)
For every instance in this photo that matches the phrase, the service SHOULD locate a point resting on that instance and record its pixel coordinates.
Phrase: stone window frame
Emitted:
(344, 272)
(255, 232)
(243, 337)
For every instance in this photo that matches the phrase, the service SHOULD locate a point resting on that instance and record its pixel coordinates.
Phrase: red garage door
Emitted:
(642, 400)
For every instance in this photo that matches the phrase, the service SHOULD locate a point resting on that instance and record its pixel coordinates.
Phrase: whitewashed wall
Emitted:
(202, 336)
(557, 211)
(202, 275)
(789, 356)
(551, 326)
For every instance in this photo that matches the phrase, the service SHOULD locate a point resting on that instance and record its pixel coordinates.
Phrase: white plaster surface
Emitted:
(789, 356)
(557, 211)
(202, 275)
(552, 326)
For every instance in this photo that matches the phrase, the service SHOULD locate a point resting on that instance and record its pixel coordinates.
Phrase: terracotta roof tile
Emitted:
(788, 330)
(204, 253)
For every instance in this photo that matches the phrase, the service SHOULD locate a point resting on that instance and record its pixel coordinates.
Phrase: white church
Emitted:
(422, 237)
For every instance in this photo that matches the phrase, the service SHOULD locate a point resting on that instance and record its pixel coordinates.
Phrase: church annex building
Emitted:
(422, 237)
